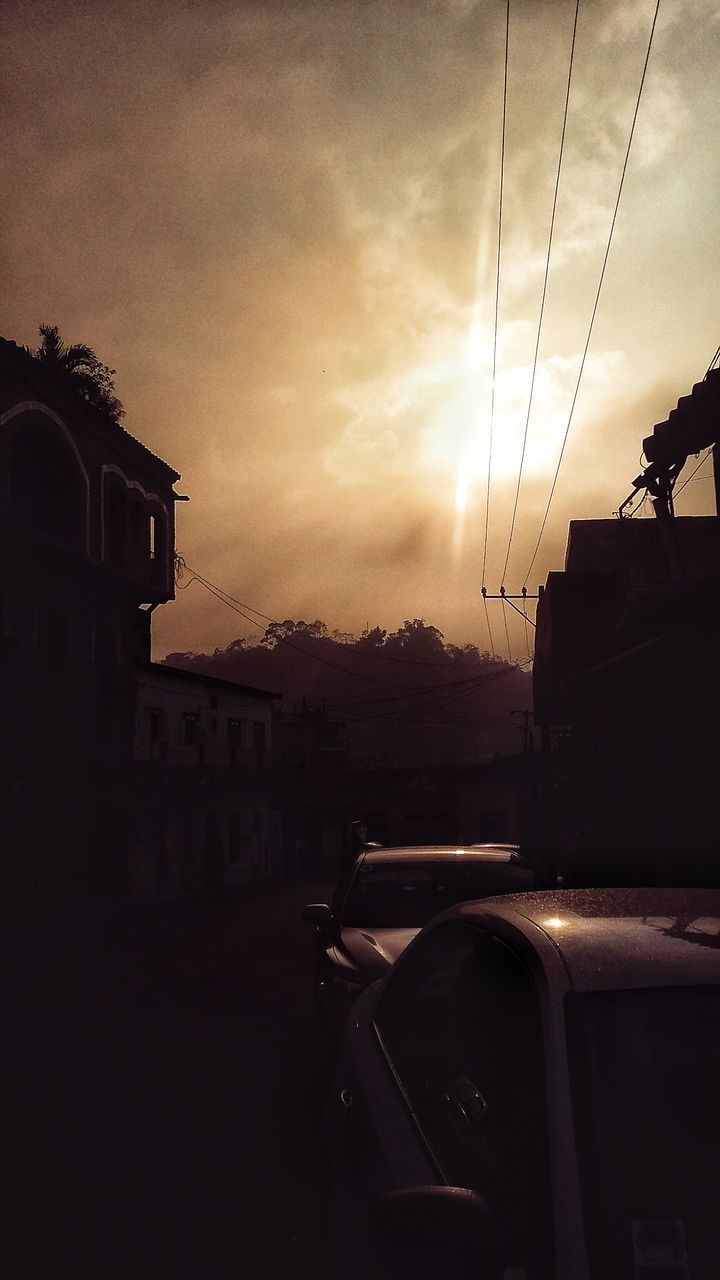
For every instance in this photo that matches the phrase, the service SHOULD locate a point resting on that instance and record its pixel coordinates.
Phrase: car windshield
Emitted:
(408, 894)
(645, 1067)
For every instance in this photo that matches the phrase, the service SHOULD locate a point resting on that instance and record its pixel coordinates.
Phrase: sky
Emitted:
(279, 223)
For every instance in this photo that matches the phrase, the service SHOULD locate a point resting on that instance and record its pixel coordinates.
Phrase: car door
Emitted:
(457, 1028)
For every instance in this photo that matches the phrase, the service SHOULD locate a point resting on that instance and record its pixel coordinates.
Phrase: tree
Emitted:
(416, 639)
(371, 641)
(276, 632)
(80, 369)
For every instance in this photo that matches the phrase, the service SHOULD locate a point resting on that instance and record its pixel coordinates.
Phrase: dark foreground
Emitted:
(162, 1109)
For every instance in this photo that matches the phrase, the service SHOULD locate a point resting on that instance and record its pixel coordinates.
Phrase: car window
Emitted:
(340, 891)
(460, 1022)
(645, 1068)
(407, 895)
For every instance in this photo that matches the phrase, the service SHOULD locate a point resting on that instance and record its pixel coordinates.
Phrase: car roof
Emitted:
(443, 853)
(611, 939)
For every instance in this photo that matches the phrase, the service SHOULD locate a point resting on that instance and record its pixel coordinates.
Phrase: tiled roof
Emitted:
(212, 682)
(22, 363)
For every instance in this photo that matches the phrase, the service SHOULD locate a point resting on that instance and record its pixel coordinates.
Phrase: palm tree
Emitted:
(80, 369)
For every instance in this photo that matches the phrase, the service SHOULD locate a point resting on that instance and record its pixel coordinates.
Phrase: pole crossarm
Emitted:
(505, 595)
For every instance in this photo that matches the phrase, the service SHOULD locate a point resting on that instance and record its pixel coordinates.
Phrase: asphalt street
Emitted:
(162, 1105)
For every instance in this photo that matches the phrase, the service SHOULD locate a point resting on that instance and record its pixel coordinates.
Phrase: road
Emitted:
(163, 1110)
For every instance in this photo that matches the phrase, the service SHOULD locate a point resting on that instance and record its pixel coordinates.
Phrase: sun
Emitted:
(458, 440)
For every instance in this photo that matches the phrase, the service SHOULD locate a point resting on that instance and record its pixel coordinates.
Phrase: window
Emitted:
(234, 733)
(408, 894)
(645, 1067)
(190, 728)
(116, 525)
(461, 1023)
(259, 735)
(138, 525)
(46, 487)
(155, 724)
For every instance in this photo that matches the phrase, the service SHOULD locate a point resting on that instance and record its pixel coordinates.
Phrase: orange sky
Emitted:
(278, 222)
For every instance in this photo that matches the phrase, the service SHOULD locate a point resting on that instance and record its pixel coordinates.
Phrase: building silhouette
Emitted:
(87, 537)
(203, 816)
(627, 698)
(117, 776)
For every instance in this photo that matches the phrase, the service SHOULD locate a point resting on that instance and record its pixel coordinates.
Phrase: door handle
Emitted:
(469, 1101)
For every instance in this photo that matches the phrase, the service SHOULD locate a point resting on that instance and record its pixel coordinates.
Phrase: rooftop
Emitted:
(23, 365)
(196, 677)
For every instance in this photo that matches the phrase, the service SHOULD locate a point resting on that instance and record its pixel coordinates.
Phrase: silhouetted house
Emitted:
(87, 545)
(627, 695)
(310, 782)
(471, 804)
(202, 809)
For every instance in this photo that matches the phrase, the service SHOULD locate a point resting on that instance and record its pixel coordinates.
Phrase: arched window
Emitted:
(46, 490)
(116, 516)
(138, 526)
(158, 548)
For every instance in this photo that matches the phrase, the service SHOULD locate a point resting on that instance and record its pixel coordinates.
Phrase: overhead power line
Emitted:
(599, 289)
(442, 698)
(702, 461)
(497, 286)
(544, 288)
(348, 650)
(315, 657)
(470, 685)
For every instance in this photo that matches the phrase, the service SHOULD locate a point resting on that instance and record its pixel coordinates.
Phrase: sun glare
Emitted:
(458, 440)
(461, 488)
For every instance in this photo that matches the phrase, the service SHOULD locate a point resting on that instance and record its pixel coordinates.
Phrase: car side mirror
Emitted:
(317, 913)
(437, 1231)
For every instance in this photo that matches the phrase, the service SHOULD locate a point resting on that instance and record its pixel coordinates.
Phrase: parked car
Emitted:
(532, 1092)
(385, 898)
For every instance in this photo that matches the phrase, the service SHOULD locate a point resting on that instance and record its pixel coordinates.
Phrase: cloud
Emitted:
(278, 221)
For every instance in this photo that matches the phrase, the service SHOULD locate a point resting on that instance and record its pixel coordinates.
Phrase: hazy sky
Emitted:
(278, 222)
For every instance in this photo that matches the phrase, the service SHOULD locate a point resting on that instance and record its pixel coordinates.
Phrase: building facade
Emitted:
(627, 699)
(87, 542)
(203, 816)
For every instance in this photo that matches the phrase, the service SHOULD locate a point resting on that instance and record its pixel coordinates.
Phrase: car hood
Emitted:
(372, 951)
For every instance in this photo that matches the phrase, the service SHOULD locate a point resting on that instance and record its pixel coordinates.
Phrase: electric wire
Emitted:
(599, 289)
(358, 675)
(443, 697)
(460, 685)
(345, 649)
(470, 684)
(497, 287)
(544, 288)
(701, 463)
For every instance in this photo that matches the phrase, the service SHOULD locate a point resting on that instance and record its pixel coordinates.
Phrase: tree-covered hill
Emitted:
(405, 697)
